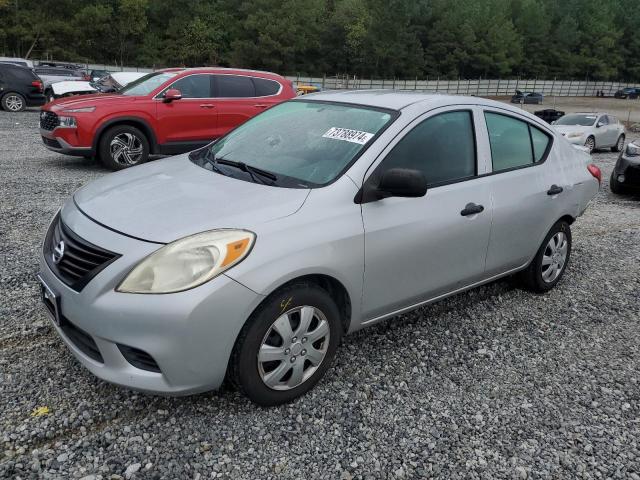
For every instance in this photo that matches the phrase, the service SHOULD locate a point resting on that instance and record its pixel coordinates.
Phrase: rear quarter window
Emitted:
(265, 88)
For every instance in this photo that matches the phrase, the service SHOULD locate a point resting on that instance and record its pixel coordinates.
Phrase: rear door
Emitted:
(612, 130)
(521, 186)
(191, 120)
(241, 97)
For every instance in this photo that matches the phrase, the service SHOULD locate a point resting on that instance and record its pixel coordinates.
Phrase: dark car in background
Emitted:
(527, 97)
(19, 88)
(626, 173)
(49, 74)
(629, 92)
(95, 75)
(549, 115)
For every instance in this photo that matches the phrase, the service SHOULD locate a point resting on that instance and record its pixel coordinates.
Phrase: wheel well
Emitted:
(140, 125)
(568, 218)
(337, 291)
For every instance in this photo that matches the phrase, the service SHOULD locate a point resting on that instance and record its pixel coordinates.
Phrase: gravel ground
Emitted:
(493, 383)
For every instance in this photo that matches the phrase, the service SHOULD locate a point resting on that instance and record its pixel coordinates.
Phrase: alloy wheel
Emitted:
(14, 103)
(126, 149)
(590, 144)
(293, 348)
(555, 257)
(620, 145)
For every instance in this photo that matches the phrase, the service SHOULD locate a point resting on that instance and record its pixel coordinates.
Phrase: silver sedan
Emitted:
(593, 130)
(250, 258)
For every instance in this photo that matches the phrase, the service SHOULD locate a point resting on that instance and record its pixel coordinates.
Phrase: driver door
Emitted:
(419, 248)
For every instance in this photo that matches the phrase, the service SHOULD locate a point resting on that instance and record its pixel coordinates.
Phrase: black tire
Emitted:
(617, 147)
(13, 102)
(243, 364)
(116, 160)
(615, 186)
(531, 277)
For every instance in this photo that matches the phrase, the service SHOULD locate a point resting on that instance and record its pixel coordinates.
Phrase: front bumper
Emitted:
(189, 335)
(57, 140)
(629, 169)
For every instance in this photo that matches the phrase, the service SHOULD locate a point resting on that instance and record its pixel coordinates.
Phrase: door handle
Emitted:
(207, 105)
(261, 105)
(471, 209)
(554, 190)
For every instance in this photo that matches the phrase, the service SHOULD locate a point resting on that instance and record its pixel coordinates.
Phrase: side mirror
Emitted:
(396, 182)
(171, 95)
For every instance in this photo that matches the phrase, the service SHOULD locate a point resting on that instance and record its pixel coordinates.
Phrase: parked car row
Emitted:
(110, 83)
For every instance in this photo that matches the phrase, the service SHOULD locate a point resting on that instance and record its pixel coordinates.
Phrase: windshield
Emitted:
(305, 144)
(147, 84)
(576, 119)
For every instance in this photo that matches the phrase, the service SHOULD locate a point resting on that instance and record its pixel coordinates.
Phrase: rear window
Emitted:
(19, 73)
(235, 86)
(265, 88)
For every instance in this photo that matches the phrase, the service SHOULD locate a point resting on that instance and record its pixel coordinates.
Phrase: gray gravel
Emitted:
(494, 383)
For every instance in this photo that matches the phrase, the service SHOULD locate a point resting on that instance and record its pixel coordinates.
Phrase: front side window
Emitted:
(442, 147)
(193, 86)
(514, 143)
(235, 86)
(303, 143)
(147, 84)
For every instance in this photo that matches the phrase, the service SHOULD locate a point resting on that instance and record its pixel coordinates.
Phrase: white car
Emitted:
(593, 130)
(110, 83)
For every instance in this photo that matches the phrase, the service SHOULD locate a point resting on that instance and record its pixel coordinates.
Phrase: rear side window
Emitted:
(514, 143)
(235, 86)
(442, 147)
(193, 86)
(22, 74)
(265, 88)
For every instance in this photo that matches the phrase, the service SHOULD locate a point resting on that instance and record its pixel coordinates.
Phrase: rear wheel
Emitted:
(123, 146)
(551, 260)
(590, 144)
(13, 102)
(619, 144)
(287, 345)
(615, 185)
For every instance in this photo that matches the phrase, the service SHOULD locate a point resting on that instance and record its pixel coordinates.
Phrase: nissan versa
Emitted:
(251, 257)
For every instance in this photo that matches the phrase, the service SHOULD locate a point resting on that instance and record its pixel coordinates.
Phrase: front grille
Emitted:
(81, 339)
(51, 142)
(139, 358)
(48, 120)
(78, 261)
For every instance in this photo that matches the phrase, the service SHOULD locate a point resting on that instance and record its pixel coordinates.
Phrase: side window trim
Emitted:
(531, 125)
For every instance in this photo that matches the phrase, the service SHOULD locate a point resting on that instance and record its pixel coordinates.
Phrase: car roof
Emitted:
(400, 99)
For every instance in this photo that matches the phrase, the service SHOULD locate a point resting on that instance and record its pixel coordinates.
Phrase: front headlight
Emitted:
(188, 262)
(68, 122)
(633, 150)
(574, 135)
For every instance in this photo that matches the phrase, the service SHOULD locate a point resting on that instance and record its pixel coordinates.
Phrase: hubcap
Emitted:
(14, 103)
(293, 348)
(126, 149)
(555, 257)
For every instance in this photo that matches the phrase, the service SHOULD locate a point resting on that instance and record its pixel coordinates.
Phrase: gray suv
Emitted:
(250, 258)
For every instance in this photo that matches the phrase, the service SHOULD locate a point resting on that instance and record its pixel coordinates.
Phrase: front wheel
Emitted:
(551, 260)
(13, 102)
(590, 144)
(619, 144)
(287, 345)
(123, 146)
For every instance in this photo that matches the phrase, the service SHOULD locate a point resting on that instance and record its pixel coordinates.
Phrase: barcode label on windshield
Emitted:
(353, 136)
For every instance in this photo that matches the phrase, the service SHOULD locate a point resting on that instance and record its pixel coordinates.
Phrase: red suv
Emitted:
(166, 112)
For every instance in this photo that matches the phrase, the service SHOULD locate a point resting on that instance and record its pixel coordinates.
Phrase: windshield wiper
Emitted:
(247, 168)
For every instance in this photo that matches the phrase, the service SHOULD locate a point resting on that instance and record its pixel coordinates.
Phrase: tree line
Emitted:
(565, 39)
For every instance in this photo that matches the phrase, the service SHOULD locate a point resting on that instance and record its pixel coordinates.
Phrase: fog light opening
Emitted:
(621, 178)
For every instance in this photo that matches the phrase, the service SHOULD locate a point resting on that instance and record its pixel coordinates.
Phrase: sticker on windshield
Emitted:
(348, 135)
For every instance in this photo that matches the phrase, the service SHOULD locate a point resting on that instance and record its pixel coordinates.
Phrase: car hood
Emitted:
(564, 129)
(169, 199)
(60, 88)
(91, 100)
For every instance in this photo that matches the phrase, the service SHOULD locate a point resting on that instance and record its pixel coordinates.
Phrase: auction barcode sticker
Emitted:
(348, 135)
